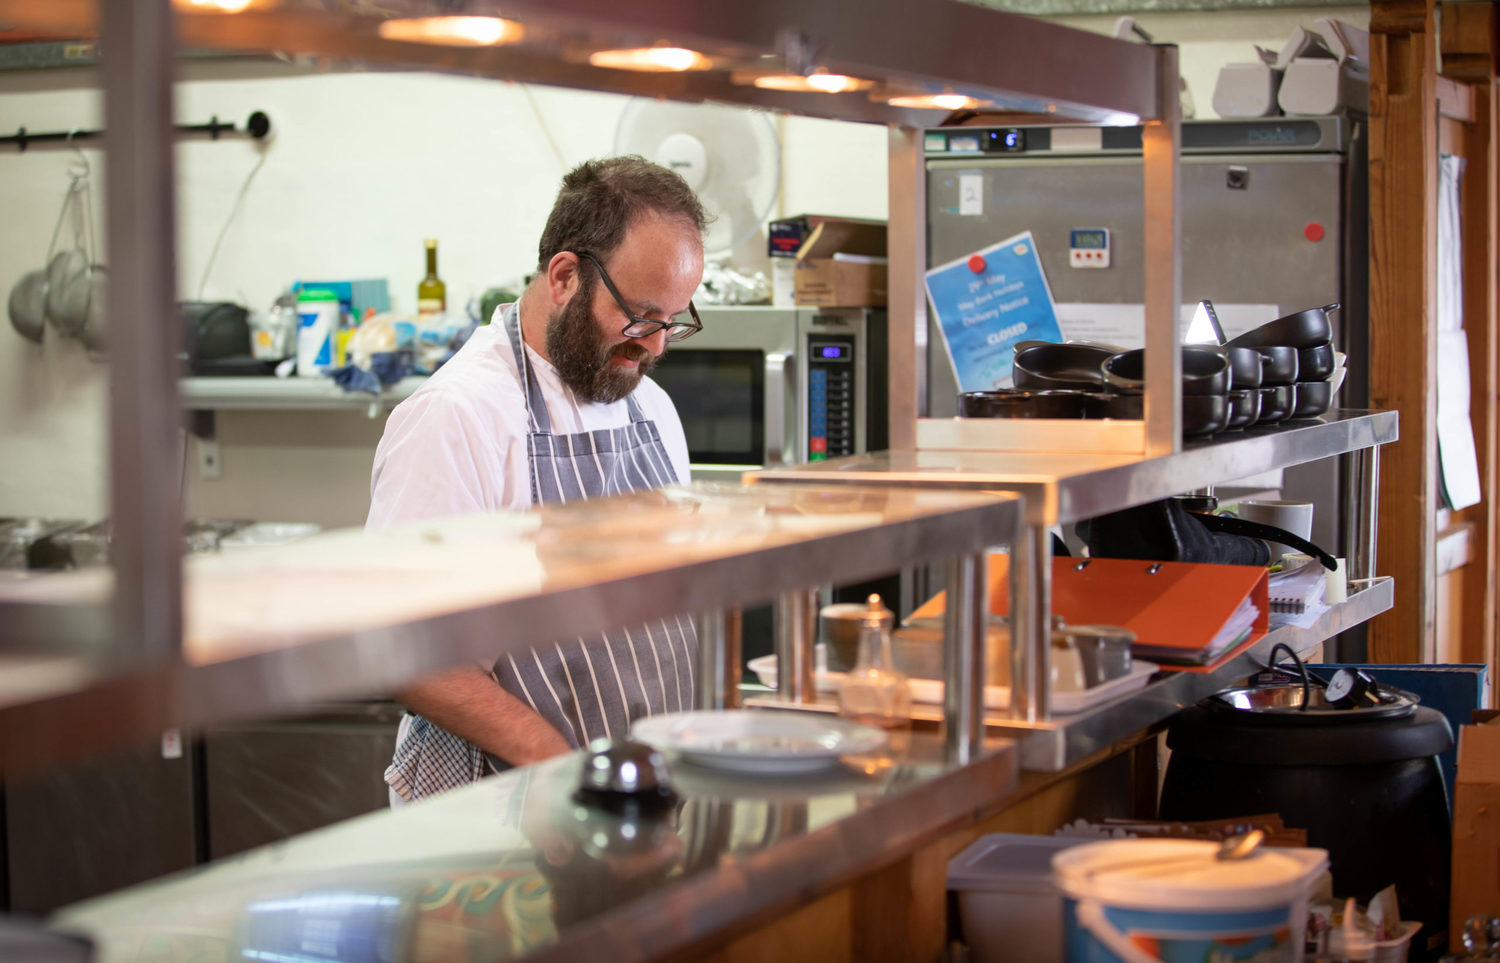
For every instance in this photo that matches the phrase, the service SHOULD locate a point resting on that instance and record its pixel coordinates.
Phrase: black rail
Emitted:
(256, 126)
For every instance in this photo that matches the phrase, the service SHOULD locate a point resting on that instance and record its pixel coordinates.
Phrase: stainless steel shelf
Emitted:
(288, 394)
(1062, 487)
(1021, 64)
(1055, 745)
(352, 614)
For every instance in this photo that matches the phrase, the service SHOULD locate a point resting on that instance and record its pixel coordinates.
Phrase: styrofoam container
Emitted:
(1009, 905)
(1173, 900)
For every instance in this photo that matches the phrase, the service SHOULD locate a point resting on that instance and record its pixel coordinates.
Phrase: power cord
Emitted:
(239, 202)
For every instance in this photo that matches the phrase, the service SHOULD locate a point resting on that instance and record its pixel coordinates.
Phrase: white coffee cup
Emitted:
(1294, 517)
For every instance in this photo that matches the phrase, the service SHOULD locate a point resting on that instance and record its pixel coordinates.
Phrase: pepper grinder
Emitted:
(873, 691)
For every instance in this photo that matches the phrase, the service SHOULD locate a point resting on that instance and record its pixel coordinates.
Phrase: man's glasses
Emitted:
(640, 327)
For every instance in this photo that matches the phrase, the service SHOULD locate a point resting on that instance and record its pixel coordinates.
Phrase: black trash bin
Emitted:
(1365, 786)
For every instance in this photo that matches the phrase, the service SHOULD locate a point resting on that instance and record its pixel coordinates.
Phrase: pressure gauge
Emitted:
(1352, 689)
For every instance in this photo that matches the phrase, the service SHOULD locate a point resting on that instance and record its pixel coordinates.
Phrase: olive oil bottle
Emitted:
(432, 293)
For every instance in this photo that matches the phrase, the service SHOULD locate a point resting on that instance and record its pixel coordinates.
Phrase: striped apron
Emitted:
(590, 687)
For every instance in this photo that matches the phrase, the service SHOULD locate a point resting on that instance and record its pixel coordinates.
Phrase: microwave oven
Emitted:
(764, 386)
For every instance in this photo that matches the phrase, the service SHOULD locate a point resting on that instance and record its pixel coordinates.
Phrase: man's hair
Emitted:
(600, 198)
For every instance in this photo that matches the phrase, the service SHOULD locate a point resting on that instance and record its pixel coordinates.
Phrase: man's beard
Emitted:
(577, 350)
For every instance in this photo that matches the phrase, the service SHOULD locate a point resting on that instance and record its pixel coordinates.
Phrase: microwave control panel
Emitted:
(830, 396)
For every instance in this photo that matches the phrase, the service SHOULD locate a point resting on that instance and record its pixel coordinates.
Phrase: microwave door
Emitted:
(721, 398)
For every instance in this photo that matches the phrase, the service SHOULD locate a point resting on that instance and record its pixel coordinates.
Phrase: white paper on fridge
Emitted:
(985, 303)
(1125, 324)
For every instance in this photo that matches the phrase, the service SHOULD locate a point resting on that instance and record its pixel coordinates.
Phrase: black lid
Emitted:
(1220, 736)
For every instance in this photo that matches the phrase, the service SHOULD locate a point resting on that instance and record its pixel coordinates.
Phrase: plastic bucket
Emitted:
(1172, 900)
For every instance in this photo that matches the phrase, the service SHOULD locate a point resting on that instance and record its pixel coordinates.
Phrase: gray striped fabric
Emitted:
(586, 688)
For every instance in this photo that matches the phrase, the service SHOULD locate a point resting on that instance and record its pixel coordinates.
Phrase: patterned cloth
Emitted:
(585, 688)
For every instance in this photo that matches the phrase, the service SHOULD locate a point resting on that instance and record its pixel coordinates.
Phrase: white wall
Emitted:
(363, 166)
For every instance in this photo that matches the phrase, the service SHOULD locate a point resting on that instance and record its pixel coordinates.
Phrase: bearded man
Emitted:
(551, 403)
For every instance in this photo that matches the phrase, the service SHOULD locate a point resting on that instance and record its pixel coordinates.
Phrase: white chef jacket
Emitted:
(458, 444)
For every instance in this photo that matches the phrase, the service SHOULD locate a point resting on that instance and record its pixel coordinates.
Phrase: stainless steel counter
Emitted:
(512, 867)
(1064, 486)
(352, 614)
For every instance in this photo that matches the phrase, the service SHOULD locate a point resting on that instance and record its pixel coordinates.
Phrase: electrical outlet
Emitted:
(208, 458)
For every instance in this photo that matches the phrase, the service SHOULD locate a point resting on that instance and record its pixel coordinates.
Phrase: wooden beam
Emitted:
(1403, 315)
(1471, 35)
(1471, 51)
(1455, 100)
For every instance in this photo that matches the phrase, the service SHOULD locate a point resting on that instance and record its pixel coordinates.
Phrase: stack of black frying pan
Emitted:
(1276, 372)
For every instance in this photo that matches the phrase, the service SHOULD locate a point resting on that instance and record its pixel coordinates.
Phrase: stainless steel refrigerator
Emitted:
(1274, 216)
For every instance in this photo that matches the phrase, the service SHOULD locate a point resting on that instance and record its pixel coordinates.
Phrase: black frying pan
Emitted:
(1301, 330)
(1204, 371)
(1041, 365)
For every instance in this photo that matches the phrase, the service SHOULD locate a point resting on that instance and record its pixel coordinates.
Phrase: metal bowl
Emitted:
(1282, 702)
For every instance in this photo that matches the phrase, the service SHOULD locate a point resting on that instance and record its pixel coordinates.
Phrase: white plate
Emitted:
(757, 741)
(930, 691)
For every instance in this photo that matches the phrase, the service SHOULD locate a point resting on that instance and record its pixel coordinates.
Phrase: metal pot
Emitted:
(1201, 414)
(1244, 407)
(1015, 403)
(1245, 366)
(1313, 398)
(1276, 403)
(1315, 363)
(1280, 365)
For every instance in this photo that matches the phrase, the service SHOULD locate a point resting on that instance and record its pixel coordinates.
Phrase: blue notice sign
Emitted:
(988, 301)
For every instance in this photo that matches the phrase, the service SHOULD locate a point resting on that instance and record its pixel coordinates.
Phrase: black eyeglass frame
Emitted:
(645, 327)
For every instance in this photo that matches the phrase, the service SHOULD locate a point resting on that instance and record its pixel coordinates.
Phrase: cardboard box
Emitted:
(842, 263)
(1476, 829)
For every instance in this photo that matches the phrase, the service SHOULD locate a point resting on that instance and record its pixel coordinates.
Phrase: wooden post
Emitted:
(1403, 315)
(1469, 46)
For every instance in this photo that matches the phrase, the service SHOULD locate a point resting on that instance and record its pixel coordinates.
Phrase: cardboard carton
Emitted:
(1476, 829)
(842, 263)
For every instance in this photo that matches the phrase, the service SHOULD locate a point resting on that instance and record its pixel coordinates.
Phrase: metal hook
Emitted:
(83, 162)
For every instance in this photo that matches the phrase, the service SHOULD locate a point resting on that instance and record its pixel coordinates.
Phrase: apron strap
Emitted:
(536, 405)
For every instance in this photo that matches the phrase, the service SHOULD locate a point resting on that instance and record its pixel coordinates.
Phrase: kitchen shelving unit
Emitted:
(1011, 61)
(1007, 60)
(131, 669)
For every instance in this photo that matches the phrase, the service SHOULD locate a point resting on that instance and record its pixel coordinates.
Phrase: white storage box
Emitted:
(1010, 908)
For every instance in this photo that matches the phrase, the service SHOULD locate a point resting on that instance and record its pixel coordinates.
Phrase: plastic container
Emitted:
(1009, 906)
(318, 321)
(1173, 900)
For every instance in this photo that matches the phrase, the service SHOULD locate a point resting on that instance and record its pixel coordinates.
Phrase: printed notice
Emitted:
(985, 303)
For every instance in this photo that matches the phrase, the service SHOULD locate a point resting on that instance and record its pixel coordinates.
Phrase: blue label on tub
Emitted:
(1202, 936)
